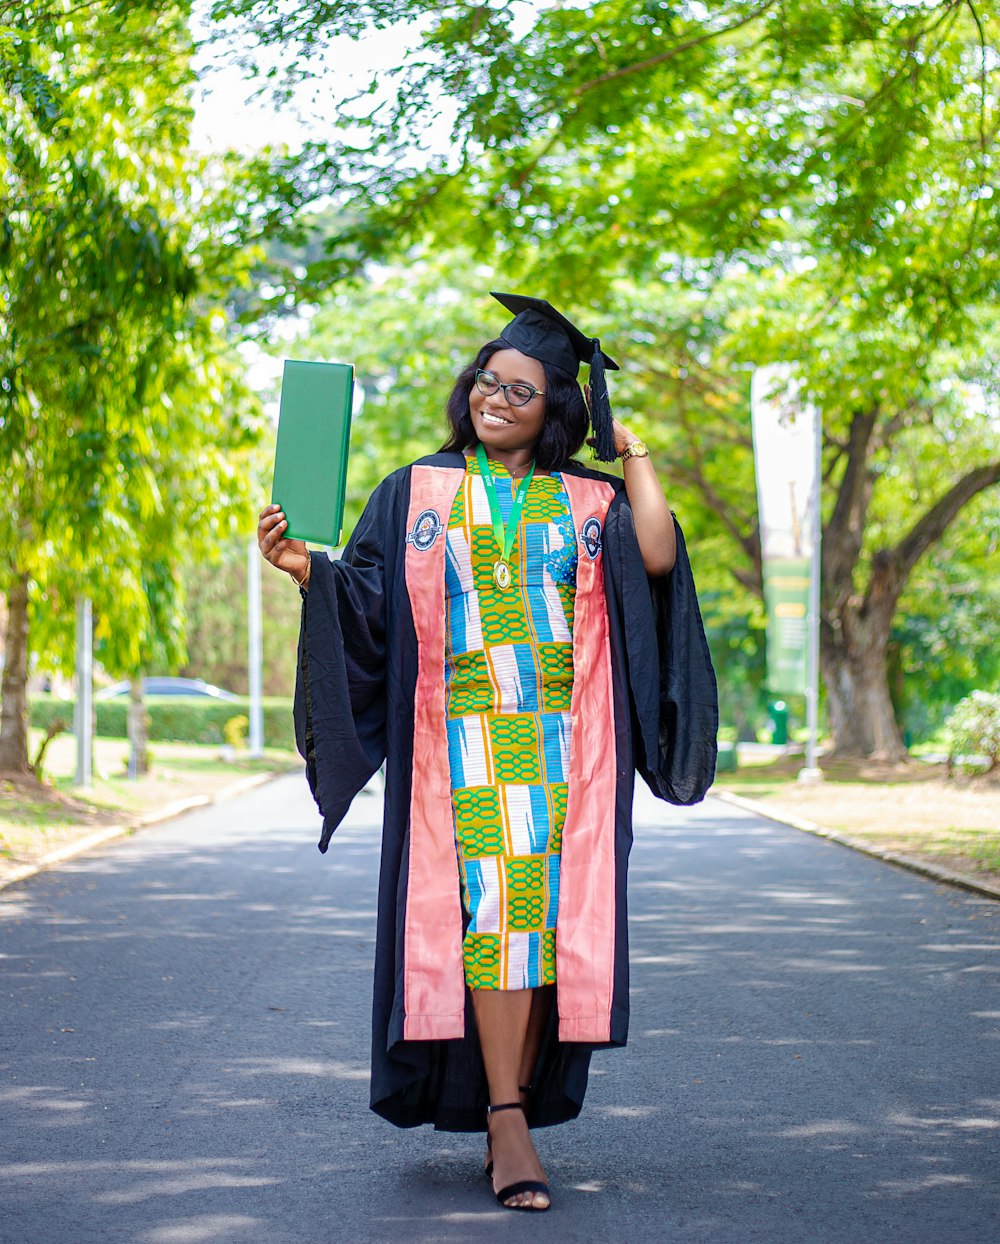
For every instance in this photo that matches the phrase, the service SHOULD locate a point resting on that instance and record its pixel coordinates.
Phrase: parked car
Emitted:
(167, 686)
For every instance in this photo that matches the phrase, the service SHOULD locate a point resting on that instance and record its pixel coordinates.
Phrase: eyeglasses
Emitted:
(514, 394)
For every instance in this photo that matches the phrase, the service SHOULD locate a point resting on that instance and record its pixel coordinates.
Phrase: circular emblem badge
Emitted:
(590, 537)
(426, 530)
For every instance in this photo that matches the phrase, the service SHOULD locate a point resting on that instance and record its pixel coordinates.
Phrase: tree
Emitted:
(832, 161)
(123, 412)
(904, 453)
(216, 623)
(944, 635)
(685, 388)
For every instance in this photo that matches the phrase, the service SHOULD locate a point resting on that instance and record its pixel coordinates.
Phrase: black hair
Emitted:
(566, 418)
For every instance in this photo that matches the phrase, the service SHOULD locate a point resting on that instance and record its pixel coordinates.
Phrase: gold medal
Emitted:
(505, 534)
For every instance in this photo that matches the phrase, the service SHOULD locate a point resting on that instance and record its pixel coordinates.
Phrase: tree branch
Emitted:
(932, 526)
(670, 53)
(831, 467)
(732, 522)
(834, 136)
(56, 727)
(843, 534)
(750, 581)
(886, 431)
(53, 14)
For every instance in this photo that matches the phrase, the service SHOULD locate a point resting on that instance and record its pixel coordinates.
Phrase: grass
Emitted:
(36, 820)
(911, 809)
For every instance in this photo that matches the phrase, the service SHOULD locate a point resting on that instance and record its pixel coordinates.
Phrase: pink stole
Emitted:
(433, 976)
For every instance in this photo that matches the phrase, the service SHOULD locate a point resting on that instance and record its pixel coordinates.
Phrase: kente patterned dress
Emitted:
(509, 676)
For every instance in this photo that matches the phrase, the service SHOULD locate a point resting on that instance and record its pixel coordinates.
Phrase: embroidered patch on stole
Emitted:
(426, 529)
(590, 537)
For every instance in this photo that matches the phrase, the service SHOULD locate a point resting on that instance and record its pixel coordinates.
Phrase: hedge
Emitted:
(175, 718)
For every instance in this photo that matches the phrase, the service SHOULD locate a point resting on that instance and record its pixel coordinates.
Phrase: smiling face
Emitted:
(502, 428)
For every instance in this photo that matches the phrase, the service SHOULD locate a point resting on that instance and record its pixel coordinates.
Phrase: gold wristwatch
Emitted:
(636, 450)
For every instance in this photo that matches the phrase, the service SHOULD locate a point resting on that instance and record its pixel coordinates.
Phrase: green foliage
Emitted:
(699, 131)
(944, 638)
(973, 729)
(685, 390)
(216, 621)
(716, 188)
(235, 731)
(736, 642)
(124, 417)
(176, 719)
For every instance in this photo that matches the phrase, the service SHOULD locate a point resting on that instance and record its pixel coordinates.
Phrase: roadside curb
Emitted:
(109, 832)
(932, 871)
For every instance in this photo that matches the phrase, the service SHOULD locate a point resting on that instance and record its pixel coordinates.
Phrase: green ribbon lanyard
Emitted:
(504, 536)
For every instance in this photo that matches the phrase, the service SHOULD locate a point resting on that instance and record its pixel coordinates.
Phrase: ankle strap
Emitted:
(507, 1105)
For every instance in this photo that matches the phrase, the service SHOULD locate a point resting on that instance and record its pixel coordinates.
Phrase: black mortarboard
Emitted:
(541, 332)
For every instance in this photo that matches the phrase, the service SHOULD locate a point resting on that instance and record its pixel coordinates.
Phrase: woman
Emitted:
(515, 635)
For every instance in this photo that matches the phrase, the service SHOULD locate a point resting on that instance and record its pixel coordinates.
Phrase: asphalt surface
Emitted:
(183, 1055)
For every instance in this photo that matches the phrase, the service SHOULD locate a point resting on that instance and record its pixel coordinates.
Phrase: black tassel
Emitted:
(600, 409)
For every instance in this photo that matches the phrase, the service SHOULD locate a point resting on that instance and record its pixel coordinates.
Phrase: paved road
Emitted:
(183, 1055)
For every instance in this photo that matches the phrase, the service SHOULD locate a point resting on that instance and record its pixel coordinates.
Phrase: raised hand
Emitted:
(291, 556)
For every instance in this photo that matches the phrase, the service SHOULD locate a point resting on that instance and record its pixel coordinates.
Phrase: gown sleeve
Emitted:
(340, 702)
(670, 675)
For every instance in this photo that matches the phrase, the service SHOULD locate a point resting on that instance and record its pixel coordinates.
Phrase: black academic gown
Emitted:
(354, 709)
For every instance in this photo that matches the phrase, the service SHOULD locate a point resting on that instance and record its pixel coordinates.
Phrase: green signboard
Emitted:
(786, 597)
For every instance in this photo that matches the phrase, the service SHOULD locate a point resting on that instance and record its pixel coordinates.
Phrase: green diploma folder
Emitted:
(310, 461)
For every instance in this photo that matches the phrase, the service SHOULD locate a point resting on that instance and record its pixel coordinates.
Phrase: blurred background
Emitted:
(192, 192)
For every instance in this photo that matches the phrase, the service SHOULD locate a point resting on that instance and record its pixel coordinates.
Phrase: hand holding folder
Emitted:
(310, 460)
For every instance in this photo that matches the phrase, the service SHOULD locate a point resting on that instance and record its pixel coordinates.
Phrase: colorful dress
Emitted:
(509, 676)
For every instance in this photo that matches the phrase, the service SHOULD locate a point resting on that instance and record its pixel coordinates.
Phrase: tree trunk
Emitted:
(14, 694)
(138, 729)
(55, 728)
(856, 626)
(859, 707)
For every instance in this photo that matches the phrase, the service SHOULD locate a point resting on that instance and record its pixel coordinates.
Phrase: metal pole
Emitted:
(83, 710)
(812, 771)
(256, 653)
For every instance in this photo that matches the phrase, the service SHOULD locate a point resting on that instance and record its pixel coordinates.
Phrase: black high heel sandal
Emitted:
(488, 1168)
(522, 1185)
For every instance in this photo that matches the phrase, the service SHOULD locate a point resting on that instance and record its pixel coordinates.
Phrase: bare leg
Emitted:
(502, 1017)
(541, 1005)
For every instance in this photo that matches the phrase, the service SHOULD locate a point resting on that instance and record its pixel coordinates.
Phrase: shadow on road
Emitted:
(813, 1054)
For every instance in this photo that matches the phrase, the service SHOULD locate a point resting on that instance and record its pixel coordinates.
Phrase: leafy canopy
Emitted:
(123, 415)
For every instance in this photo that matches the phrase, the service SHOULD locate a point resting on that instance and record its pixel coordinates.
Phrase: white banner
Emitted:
(786, 458)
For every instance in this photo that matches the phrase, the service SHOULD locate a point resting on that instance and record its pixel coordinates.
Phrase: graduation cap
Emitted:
(541, 332)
